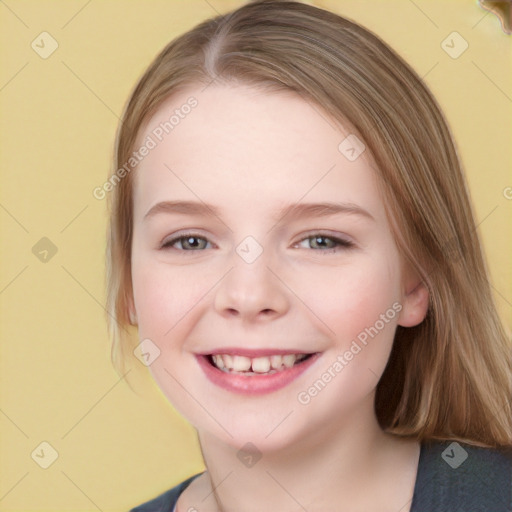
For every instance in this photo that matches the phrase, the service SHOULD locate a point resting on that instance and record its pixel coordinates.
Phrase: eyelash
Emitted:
(341, 244)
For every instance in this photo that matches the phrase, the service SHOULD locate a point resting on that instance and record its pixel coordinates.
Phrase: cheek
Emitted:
(165, 296)
(356, 303)
(168, 301)
(360, 306)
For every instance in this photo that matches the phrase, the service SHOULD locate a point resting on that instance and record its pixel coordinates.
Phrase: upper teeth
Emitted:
(228, 362)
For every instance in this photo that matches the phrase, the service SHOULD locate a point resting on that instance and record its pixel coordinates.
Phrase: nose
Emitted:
(252, 291)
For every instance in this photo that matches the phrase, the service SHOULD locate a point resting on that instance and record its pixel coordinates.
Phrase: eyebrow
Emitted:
(295, 210)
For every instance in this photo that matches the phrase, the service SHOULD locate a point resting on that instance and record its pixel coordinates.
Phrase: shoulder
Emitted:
(165, 501)
(456, 476)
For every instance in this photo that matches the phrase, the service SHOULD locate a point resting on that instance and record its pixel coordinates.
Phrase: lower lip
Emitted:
(253, 384)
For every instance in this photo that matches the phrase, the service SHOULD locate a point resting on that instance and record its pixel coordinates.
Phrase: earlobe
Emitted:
(131, 312)
(415, 305)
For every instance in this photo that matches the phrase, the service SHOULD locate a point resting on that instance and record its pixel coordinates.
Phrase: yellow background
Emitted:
(117, 448)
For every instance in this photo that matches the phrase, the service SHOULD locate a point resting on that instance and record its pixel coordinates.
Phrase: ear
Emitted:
(414, 304)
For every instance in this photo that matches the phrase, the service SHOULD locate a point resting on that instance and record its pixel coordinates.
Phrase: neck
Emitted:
(339, 468)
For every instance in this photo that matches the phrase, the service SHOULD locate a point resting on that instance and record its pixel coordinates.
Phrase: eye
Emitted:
(322, 243)
(188, 242)
(327, 244)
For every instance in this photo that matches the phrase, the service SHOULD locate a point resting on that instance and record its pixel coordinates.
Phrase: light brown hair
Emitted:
(450, 376)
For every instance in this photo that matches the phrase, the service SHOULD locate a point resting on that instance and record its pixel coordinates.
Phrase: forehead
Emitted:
(231, 142)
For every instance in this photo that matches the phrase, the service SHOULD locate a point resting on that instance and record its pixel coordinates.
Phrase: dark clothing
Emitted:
(452, 477)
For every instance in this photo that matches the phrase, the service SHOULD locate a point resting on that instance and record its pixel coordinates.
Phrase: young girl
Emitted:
(291, 232)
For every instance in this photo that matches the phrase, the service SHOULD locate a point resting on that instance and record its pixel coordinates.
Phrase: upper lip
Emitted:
(260, 352)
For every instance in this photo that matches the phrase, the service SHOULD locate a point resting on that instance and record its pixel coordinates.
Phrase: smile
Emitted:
(254, 375)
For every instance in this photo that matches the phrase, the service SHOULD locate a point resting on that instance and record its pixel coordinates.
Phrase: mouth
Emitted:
(261, 373)
(251, 366)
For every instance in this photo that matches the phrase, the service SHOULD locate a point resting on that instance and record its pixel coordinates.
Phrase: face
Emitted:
(231, 258)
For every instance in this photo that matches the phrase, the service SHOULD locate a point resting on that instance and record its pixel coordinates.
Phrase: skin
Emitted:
(250, 153)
